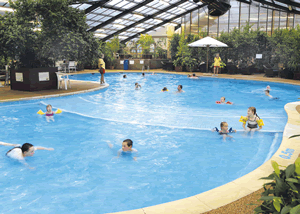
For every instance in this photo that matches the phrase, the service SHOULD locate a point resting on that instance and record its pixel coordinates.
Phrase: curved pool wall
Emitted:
(196, 204)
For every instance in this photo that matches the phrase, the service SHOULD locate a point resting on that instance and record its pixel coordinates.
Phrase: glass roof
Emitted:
(129, 18)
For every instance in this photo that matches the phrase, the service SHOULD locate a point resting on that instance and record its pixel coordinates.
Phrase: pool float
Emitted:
(229, 103)
(58, 111)
(165, 90)
(243, 119)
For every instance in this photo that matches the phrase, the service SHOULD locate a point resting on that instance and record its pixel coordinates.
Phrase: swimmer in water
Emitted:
(137, 86)
(124, 76)
(49, 113)
(27, 149)
(193, 76)
(267, 93)
(179, 89)
(126, 148)
(164, 89)
(224, 130)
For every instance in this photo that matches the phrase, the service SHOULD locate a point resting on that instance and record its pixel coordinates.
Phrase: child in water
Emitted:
(222, 101)
(49, 113)
(124, 76)
(27, 149)
(137, 86)
(253, 121)
(193, 76)
(126, 148)
(224, 130)
(164, 89)
(267, 93)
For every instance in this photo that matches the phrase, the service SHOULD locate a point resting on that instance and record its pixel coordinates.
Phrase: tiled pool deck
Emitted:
(211, 199)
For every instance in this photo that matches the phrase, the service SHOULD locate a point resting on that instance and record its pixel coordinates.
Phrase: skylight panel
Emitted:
(90, 16)
(84, 6)
(141, 9)
(73, 5)
(130, 5)
(108, 12)
(99, 10)
(113, 2)
(122, 3)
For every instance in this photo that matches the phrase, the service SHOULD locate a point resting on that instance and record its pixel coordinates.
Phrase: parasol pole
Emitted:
(207, 58)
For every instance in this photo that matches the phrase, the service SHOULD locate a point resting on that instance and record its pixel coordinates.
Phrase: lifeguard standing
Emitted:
(217, 64)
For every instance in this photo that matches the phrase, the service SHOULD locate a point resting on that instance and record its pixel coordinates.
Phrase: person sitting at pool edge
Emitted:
(179, 88)
(126, 148)
(27, 149)
(164, 89)
(224, 130)
(137, 86)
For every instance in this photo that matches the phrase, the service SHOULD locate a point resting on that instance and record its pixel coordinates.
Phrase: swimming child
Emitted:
(143, 74)
(9, 144)
(124, 76)
(193, 76)
(164, 89)
(137, 86)
(267, 93)
(126, 148)
(224, 130)
(222, 101)
(253, 121)
(179, 89)
(49, 113)
(268, 88)
(27, 149)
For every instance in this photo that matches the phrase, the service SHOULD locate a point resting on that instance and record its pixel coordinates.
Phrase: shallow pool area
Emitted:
(178, 155)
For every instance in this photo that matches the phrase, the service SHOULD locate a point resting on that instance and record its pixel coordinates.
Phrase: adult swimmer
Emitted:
(27, 150)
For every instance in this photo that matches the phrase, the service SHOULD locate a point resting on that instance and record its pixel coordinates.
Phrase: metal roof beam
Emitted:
(276, 6)
(295, 4)
(94, 6)
(144, 19)
(164, 22)
(120, 15)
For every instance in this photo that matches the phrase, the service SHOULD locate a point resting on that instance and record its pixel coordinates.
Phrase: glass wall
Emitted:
(260, 16)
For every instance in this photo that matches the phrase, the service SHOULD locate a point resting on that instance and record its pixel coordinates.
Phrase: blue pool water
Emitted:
(178, 154)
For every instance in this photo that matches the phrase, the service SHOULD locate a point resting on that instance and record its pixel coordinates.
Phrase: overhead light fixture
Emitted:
(123, 37)
(290, 8)
(138, 16)
(100, 35)
(6, 9)
(140, 29)
(210, 17)
(118, 25)
(163, 2)
(118, 20)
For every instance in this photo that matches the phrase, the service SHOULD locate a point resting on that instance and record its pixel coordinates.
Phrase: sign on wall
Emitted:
(19, 77)
(44, 76)
(131, 62)
(141, 62)
(121, 62)
(258, 56)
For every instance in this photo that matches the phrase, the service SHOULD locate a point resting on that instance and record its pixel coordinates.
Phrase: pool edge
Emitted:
(241, 187)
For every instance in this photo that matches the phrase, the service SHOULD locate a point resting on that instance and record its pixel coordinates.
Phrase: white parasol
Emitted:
(208, 42)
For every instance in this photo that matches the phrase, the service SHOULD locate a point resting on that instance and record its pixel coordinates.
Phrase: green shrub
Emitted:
(283, 194)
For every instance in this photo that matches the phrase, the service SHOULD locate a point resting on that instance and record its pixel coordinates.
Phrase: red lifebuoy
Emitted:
(230, 103)
(218, 102)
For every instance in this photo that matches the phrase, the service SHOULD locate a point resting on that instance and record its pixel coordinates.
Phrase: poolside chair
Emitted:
(269, 71)
(72, 65)
(63, 78)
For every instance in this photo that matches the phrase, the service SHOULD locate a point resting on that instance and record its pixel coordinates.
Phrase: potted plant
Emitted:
(178, 64)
